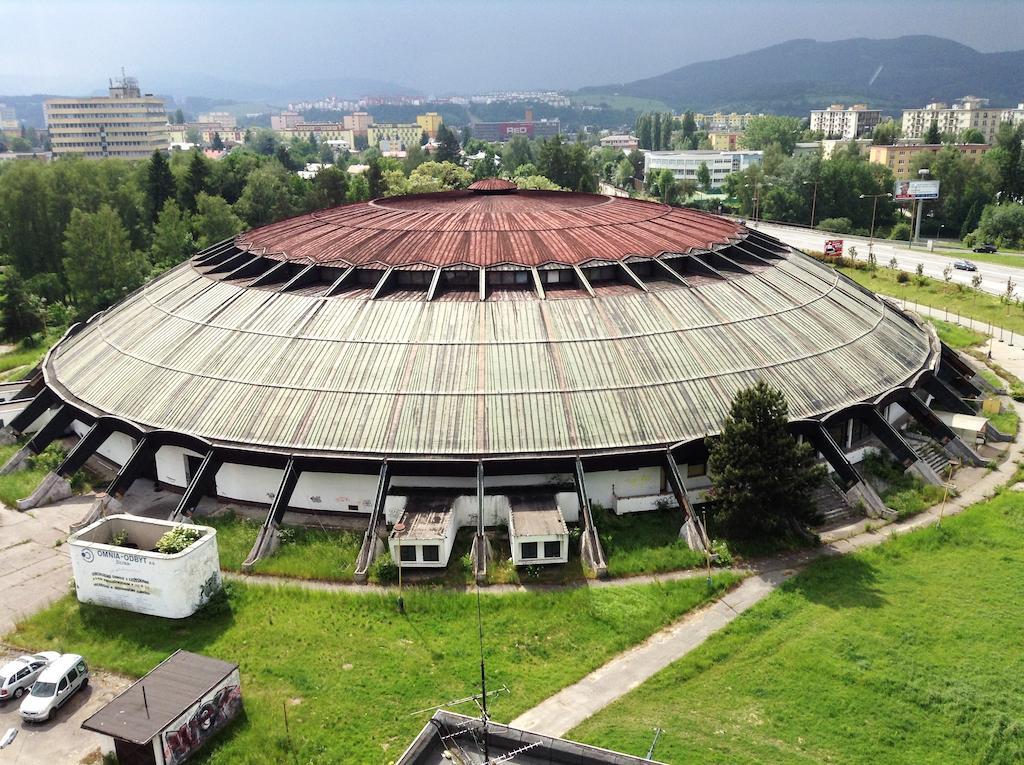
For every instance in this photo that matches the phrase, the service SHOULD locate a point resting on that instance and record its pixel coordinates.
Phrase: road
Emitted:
(993, 276)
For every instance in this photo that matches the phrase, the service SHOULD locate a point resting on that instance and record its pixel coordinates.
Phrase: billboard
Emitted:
(910, 190)
(833, 248)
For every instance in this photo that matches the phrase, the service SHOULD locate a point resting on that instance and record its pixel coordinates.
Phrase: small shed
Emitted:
(537, 530)
(425, 534)
(970, 427)
(168, 715)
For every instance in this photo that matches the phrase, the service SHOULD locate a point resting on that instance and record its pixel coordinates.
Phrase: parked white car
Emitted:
(55, 685)
(17, 675)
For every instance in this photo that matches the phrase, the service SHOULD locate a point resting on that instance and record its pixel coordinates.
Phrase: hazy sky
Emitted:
(442, 46)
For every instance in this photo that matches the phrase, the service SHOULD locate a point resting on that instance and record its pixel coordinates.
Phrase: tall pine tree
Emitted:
(159, 184)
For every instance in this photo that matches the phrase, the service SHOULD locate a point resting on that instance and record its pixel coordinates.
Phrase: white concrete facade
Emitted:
(685, 164)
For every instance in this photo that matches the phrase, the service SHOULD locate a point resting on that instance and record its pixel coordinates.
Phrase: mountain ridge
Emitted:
(796, 75)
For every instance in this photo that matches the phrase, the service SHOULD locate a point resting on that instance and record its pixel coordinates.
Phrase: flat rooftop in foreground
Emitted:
(536, 516)
(462, 737)
(425, 517)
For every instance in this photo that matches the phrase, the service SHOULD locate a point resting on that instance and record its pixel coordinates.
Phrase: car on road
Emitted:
(964, 265)
(986, 247)
(17, 675)
(61, 679)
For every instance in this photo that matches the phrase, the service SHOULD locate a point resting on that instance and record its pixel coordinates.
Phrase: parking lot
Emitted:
(61, 740)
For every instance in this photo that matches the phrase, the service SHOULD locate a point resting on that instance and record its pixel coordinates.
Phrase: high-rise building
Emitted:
(358, 122)
(968, 112)
(9, 124)
(224, 119)
(900, 158)
(124, 124)
(839, 122)
(285, 120)
(430, 122)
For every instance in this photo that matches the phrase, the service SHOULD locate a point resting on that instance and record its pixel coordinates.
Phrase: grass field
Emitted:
(620, 102)
(21, 483)
(960, 300)
(304, 553)
(956, 336)
(16, 362)
(350, 670)
(910, 652)
(644, 543)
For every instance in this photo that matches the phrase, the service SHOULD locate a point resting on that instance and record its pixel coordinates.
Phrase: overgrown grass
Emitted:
(21, 483)
(909, 652)
(19, 360)
(1007, 421)
(350, 670)
(644, 543)
(956, 336)
(904, 493)
(958, 299)
(305, 553)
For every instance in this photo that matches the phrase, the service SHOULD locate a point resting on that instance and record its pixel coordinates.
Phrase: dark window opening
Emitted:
(353, 508)
(528, 550)
(553, 549)
(431, 553)
(407, 553)
(696, 470)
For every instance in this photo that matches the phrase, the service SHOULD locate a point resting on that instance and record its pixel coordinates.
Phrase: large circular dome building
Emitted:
(491, 340)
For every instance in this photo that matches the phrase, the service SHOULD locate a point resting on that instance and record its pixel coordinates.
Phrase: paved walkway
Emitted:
(34, 569)
(575, 703)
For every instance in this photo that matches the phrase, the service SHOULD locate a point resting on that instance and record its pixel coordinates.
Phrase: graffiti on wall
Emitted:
(193, 729)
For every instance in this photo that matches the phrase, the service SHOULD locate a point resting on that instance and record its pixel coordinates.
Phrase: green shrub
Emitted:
(838, 225)
(49, 459)
(902, 277)
(119, 538)
(722, 553)
(900, 231)
(178, 539)
(384, 570)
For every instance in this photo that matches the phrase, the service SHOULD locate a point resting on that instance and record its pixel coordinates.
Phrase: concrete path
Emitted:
(34, 566)
(575, 703)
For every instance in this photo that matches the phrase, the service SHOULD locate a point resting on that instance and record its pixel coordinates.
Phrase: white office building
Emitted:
(845, 123)
(685, 164)
(968, 112)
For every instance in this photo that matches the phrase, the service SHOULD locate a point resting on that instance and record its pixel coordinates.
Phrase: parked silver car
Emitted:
(57, 683)
(17, 675)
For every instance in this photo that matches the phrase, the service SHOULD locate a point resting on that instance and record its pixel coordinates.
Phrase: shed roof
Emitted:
(425, 517)
(535, 515)
(172, 687)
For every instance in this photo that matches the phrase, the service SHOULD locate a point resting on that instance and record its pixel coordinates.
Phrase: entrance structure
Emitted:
(487, 342)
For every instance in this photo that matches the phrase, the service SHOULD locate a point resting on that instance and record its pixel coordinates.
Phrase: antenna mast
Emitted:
(483, 675)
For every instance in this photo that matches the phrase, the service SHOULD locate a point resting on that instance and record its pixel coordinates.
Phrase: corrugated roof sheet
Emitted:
(350, 375)
(525, 228)
(172, 688)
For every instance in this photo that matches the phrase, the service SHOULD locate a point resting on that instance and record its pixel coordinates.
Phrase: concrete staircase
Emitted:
(833, 507)
(931, 452)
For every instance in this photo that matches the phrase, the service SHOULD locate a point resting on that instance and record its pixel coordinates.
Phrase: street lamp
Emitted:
(814, 197)
(756, 197)
(874, 207)
(922, 173)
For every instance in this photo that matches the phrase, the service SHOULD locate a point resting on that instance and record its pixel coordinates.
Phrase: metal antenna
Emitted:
(463, 700)
(483, 675)
(657, 735)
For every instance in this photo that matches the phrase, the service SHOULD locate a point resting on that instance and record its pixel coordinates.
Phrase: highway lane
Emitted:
(993, 276)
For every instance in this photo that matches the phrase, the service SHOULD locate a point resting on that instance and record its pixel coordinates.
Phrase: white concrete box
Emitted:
(134, 578)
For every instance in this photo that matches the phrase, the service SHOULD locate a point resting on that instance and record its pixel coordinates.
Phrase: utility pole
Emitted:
(874, 208)
(814, 199)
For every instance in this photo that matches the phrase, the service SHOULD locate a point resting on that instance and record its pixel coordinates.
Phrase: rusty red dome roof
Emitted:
(525, 228)
(493, 186)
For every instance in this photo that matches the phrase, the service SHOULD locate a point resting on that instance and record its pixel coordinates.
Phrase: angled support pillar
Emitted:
(897, 445)
(961, 373)
(35, 409)
(84, 449)
(372, 539)
(54, 428)
(143, 454)
(197, 488)
(481, 550)
(590, 543)
(854, 486)
(699, 540)
(939, 430)
(948, 398)
(269, 536)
